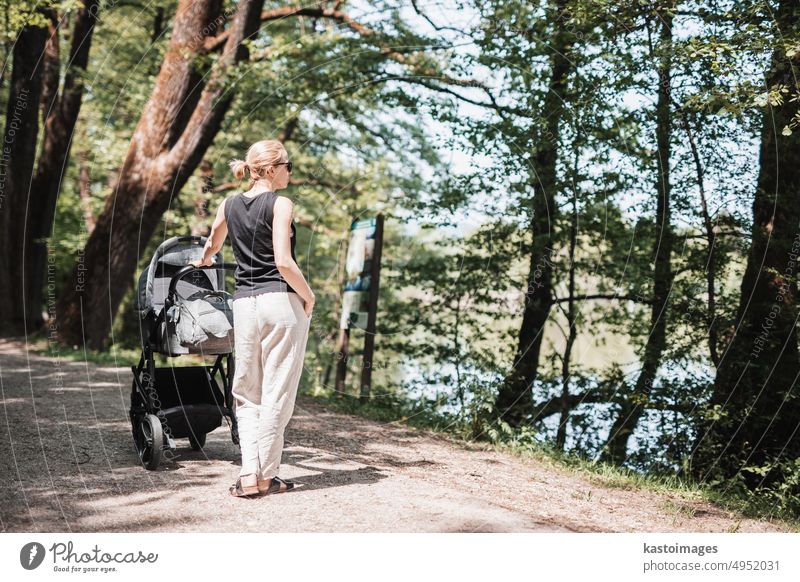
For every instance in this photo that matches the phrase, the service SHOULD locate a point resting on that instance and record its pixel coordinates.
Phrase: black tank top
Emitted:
(250, 228)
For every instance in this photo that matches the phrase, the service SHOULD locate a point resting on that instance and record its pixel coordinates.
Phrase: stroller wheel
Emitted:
(197, 443)
(150, 442)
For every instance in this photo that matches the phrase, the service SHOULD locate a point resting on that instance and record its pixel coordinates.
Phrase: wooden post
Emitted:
(374, 282)
(342, 341)
(341, 365)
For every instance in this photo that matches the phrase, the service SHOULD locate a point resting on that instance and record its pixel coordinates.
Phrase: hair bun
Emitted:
(260, 156)
(239, 167)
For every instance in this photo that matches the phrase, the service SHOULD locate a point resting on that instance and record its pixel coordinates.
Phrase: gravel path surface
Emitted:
(68, 464)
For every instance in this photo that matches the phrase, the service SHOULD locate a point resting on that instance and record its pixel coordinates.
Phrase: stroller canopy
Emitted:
(171, 256)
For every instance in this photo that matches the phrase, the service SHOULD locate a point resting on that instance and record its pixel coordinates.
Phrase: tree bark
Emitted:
(85, 191)
(632, 408)
(711, 236)
(572, 316)
(199, 222)
(178, 124)
(52, 66)
(514, 399)
(158, 24)
(16, 167)
(752, 418)
(60, 119)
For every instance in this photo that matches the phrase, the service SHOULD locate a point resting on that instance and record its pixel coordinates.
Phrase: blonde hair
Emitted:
(260, 156)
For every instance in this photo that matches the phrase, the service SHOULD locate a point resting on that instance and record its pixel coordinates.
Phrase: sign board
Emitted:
(358, 272)
(360, 298)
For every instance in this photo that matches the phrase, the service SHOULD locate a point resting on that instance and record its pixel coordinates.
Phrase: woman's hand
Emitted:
(309, 306)
(202, 263)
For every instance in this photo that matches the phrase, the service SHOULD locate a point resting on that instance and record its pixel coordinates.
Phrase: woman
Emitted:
(272, 306)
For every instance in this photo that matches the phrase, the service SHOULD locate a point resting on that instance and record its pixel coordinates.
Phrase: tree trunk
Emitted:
(16, 167)
(199, 222)
(514, 399)
(158, 24)
(60, 119)
(178, 124)
(754, 410)
(52, 66)
(85, 191)
(631, 409)
(572, 316)
(711, 236)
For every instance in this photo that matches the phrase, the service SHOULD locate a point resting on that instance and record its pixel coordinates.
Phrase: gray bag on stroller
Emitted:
(202, 315)
(199, 311)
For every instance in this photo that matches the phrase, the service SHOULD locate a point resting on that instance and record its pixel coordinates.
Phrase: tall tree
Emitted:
(514, 398)
(60, 116)
(16, 166)
(751, 424)
(632, 406)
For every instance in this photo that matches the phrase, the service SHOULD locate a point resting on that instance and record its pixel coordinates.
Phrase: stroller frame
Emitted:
(178, 402)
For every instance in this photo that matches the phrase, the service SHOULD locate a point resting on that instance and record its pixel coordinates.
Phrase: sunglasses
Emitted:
(287, 164)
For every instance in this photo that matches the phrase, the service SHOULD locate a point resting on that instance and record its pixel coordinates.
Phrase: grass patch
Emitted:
(115, 356)
(678, 510)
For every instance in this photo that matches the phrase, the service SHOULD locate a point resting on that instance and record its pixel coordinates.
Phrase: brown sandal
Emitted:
(276, 485)
(238, 490)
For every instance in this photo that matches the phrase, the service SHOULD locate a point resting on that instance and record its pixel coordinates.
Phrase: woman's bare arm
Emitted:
(219, 230)
(281, 244)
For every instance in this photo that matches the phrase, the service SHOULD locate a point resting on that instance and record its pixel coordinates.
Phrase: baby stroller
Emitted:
(183, 310)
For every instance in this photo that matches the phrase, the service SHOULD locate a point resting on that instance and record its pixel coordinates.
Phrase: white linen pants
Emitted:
(271, 332)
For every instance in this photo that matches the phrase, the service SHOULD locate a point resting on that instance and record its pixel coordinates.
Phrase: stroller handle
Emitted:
(185, 271)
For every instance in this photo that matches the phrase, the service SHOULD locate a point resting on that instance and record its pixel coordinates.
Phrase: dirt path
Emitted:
(68, 464)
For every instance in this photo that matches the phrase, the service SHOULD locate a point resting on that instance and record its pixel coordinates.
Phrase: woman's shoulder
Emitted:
(282, 204)
(227, 202)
